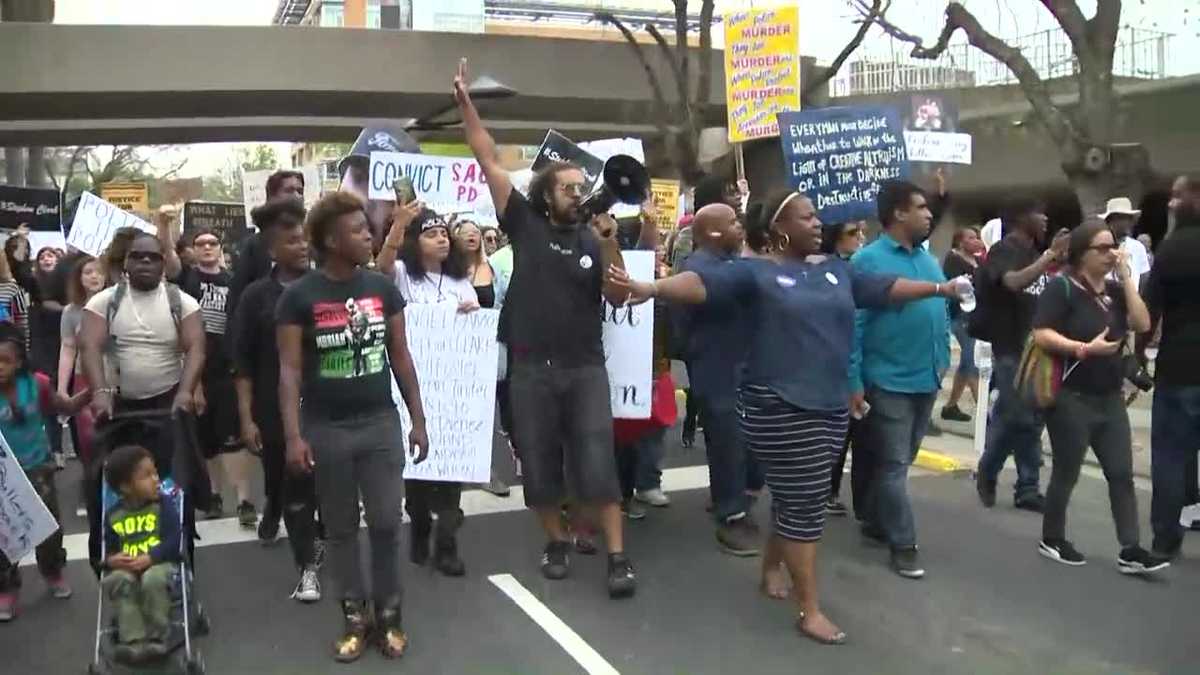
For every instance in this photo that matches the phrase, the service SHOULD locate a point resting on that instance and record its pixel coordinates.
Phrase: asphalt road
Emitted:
(989, 604)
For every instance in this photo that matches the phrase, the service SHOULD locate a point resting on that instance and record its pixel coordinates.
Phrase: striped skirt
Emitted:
(795, 449)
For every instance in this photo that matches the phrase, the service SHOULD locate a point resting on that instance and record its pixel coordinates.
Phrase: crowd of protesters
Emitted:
(804, 345)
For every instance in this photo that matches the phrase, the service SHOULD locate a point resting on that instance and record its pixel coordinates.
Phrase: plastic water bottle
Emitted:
(966, 293)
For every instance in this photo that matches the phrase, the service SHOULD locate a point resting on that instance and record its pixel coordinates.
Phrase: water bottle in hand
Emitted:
(966, 293)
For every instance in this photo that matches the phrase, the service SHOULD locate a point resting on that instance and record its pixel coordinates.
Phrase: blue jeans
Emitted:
(894, 430)
(729, 462)
(1014, 428)
(1174, 439)
(966, 346)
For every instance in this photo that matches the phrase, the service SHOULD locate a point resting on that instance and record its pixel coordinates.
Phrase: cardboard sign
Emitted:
(666, 203)
(455, 357)
(36, 207)
(629, 345)
(25, 521)
(762, 70)
(446, 184)
(839, 156)
(559, 148)
(254, 188)
(96, 221)
(227, 219)
(131, 197)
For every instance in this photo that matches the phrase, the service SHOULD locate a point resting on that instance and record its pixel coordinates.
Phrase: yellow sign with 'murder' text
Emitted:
(762, 70)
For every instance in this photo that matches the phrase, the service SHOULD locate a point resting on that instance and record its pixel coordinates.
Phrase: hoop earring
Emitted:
(783, 243)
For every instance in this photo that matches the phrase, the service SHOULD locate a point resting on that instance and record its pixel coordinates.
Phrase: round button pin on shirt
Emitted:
(586, 262)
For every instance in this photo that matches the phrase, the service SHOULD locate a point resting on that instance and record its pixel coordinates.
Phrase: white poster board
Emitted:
(40, 240)
(629, 345)
(25, 521)
(254, 189)
(608, 147)
(446, 184)
(95, 223)
(455, 357)
(938, 146)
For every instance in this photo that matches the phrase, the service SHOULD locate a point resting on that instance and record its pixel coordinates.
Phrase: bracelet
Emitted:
(106, 390)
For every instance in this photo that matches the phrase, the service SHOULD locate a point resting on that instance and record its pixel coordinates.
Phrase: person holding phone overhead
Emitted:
(1082, 318)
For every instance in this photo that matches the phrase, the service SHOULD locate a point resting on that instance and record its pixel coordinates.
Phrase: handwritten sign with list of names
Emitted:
(455, 357)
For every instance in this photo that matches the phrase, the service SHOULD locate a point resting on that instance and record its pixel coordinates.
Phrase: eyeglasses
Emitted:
(573, 189)
(148, 256)
(1103, 248)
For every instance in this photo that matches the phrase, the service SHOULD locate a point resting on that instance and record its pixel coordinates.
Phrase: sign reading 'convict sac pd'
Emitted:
(839, 157)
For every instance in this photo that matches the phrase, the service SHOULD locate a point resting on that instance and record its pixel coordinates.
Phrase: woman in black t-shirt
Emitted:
(962, 260)
(1083, 319)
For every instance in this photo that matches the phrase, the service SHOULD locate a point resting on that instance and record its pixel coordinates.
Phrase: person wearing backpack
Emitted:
(141, 344)
(1007, 287)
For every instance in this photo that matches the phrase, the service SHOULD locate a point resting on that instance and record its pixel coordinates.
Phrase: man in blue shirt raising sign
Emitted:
(900, 353)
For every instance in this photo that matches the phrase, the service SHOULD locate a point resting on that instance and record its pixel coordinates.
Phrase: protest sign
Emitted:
(36, 207)
(41, 240)
(839, 156)
(762, 70)
(559, 148)
(446, 184)
(131, 197)
(95, 223)
(941, 147)
(254, 188)
(455, 356)
(226, 219)
(666, 203)
(25, 521)
(629, 345)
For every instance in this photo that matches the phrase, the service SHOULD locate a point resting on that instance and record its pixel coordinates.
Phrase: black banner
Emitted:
(36, 207)
(559, 148)
(226, 219)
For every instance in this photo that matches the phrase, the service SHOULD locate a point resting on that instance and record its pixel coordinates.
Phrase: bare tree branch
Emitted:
(681, 84)
(1102, 32)
(704, 86)
(1070, 18)
(661, 108)
(1057, 122)
(874, 12)
(681, 44)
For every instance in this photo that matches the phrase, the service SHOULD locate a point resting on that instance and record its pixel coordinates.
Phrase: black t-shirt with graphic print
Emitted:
(346, 371)
(211, 290)
(553, 306)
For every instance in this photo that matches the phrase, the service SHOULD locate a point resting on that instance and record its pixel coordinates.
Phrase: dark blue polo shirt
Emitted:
(717, 337)
(801, 322)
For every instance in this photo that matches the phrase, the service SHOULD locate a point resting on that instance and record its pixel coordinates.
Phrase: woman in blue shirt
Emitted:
(794, 395)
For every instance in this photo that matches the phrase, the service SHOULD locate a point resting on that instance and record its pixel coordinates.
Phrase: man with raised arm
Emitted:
(561, 405)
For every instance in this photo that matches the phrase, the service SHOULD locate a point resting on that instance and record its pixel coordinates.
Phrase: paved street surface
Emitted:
(990, 604)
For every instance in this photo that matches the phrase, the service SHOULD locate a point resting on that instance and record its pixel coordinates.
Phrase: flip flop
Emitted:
(838, 638)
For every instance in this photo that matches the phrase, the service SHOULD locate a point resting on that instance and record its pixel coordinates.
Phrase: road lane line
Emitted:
(568, 639)
(474, 503)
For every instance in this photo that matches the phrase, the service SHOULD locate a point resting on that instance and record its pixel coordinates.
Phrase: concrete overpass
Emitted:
(68, 85)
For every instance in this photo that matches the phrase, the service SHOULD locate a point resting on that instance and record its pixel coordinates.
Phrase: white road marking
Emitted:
(568, 639)
(474, 503)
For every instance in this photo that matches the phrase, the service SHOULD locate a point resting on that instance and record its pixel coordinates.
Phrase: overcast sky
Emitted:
(825, 27)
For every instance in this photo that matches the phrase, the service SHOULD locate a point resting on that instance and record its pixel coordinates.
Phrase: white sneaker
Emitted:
(654, 497)
(309, 588)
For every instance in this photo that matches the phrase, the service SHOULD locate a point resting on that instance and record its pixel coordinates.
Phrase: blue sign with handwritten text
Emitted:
(839, 156)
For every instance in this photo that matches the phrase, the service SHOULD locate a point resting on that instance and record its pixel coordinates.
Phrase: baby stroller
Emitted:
(188, 618)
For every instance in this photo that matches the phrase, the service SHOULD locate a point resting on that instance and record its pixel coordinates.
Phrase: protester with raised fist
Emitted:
(562, 409)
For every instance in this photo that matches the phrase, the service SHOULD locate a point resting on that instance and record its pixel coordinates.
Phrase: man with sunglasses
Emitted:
(141, 343)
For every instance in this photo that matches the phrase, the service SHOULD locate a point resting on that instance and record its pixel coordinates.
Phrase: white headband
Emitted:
(782, 207)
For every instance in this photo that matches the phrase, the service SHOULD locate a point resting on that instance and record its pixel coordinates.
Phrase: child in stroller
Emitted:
(143, 558)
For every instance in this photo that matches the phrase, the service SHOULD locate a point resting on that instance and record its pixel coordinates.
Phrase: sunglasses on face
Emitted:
(145, 256)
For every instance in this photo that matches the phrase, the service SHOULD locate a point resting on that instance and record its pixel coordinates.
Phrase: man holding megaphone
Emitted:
(562, 410)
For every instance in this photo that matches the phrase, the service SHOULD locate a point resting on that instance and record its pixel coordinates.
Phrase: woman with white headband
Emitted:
(794, 394)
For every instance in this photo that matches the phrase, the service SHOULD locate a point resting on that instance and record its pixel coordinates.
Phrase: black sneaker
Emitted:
(951, 413)
(1137, 560)
(1061, 551)
(268, 531)
(986, 490)
(216, 508)
(622, 583)
(1034, 502)
(906, 562)
(247, 516)
(739, 536)
(834, 507)
(555, 562)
